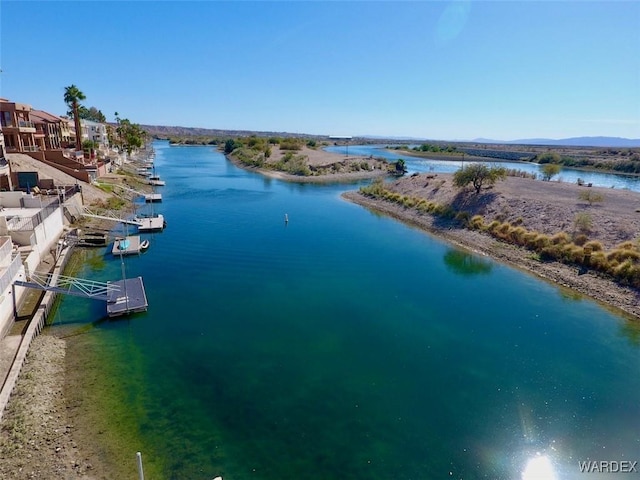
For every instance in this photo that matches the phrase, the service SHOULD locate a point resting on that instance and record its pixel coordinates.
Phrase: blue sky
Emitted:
(428, 69)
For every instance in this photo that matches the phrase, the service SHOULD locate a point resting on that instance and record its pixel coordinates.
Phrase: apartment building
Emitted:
(48, 138)
(97, 133)
(48, 134)
(5, 167)
(18, 128)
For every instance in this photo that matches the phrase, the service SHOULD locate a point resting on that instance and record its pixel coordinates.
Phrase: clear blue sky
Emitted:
(438, 70)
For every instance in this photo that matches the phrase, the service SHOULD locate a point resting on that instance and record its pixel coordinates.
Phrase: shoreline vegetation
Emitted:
(293, 159)
(614, 160)
(623, 161)
(578, 237)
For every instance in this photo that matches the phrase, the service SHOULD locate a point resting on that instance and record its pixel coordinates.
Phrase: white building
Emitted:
(30, 227)
(96, 132)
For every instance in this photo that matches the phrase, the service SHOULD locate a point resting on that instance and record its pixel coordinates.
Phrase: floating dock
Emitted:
(129, 297)
(130, 245)
(152, 197)
(153, 223)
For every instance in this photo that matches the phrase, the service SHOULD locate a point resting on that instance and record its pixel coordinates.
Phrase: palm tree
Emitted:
(72, 97)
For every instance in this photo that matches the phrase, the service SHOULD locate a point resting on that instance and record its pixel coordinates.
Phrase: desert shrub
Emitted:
(476, 222)
(547, 157)
(580, 239)
(424, 206)
(628, 245)
(598, 261)
(627, 271)
(591, 196)
(515, 172)
(290, 144)
(560, 238)
(493, 226)
(583, 222)
(573, 253)
(622, 255)
(541, 240)
(594, 245)
(408, 202)
(463, 218)
(517, 235)
(375, 189)
(529, 239)
(551, 252)
(504, 228)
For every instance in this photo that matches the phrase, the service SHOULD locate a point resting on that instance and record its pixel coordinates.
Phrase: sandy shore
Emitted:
(38, 436)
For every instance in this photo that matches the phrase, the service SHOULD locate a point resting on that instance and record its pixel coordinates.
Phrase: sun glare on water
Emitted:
(539, 468)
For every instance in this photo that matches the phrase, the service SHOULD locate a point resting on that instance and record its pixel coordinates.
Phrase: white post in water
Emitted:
(140, 471)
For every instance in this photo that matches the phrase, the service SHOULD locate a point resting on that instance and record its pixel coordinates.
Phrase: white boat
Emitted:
(144, 245)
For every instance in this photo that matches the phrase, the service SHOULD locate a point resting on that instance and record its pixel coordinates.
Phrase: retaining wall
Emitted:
(33, 330)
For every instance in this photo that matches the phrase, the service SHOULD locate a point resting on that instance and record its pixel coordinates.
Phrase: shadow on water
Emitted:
(463, 263)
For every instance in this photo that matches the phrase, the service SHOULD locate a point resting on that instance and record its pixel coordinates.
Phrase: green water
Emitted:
(345, 345)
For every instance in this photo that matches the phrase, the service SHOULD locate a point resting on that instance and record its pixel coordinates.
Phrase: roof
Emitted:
(45, 116)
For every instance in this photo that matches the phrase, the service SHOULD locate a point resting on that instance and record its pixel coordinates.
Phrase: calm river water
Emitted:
(346, 345)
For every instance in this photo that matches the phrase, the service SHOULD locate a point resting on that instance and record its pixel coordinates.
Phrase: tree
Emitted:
(72, 97)
(92, 114)
(478, 174)
(549, 170)
(548, 157)
(399, 167)
(229, 146)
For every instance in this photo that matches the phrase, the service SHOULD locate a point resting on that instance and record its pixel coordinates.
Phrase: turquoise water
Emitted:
(416, 164)
(347, 345)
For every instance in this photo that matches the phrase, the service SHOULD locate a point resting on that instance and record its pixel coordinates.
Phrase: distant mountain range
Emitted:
(571, 142)
(600, 142)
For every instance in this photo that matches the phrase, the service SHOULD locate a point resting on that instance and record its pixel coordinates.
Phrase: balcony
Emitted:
(31, 148)
(26, 127)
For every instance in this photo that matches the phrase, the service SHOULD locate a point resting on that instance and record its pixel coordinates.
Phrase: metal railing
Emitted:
(26, 124)
(26, 224)
(6, 278)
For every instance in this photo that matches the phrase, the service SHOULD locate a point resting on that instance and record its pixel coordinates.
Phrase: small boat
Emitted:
(144, 245)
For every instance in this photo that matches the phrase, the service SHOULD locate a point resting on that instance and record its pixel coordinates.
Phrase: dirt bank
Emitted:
(545, 207)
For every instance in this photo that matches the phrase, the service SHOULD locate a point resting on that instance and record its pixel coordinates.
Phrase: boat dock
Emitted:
(154, 223)
(129, 297)
(152, 197)
(129, 245)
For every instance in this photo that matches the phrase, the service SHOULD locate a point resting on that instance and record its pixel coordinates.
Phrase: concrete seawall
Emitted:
(33, 330)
